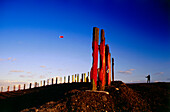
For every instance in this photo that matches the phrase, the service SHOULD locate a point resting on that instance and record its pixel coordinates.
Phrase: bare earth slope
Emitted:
(74, 97)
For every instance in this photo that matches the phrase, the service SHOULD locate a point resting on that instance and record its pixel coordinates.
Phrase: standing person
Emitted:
(148, 78)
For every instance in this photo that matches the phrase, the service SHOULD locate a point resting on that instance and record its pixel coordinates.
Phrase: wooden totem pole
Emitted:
(108, 66)
(93, 71)
(102, 62)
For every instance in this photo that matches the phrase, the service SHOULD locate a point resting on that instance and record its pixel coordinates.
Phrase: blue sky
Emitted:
(137, 32)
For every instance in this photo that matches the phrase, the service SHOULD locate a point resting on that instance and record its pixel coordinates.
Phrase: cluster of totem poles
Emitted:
(104, 72)
(100, 77)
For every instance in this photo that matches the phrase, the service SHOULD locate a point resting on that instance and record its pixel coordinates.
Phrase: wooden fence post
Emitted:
(112, 69)
(87, 78)
(8, 88)
(1, 89)
(75, 78)
(72, 78)
(84, 77)
(44, 83)
(47, 81)
(14, 88)
(30, 85)
(24, 86)
(56, 80)
(52, 81)
(68, 79)
(35, 84)
(61, 80)
(64, 79)
(41, 83)
(19, 87)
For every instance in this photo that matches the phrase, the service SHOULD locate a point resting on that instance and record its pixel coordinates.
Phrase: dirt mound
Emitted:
(76, 100)
(126, 99)
(120, 98)
(156, 94)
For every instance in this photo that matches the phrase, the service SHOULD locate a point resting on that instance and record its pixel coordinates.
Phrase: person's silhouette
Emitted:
(148, 78)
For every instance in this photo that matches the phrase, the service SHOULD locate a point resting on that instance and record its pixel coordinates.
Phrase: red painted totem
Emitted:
(108, 66)
(102, 62)
(93, 72)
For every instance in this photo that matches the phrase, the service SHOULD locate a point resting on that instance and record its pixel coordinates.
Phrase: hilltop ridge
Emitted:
(74, 97)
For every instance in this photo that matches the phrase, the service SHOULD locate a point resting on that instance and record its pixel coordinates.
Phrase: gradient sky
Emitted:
(137, 32)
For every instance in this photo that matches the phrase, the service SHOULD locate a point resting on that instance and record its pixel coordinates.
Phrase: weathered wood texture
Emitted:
(102, 71)
(93, 73)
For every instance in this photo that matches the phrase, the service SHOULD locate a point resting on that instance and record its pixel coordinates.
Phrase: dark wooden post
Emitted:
(47, 81)
(84, 77)
(102, 70)
(112, 69)
(108, 66)
(19, 87)
(87, 78)
(1, 89)
(64, 79)
(68, 79)
(41, 83)
(75, 78)
(72, 78)
(35, 84)
(8, 88)
(52, 81)
(30, 85)
(44, 83)
(56, 80)
(14, 88)
(61, 81)
(24, 86)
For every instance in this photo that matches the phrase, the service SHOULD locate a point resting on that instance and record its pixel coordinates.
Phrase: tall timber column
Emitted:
(102, 71)
(108, 66)
(93, 73)
(112, 69)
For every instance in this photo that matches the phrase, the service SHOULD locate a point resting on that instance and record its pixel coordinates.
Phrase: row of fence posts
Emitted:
(75, 78)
